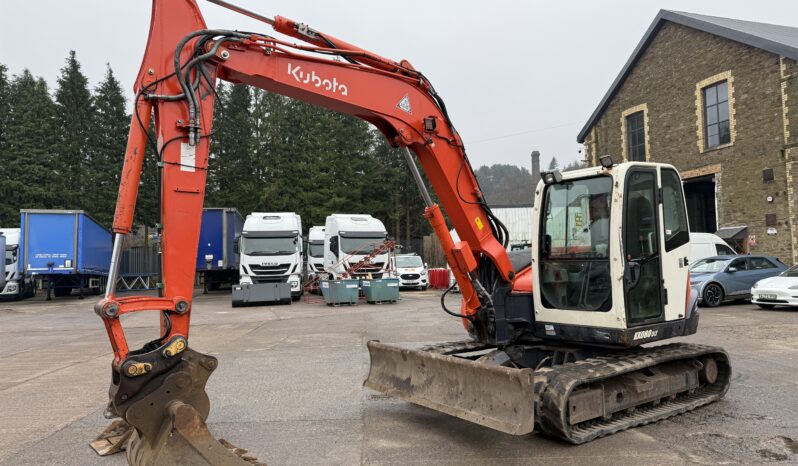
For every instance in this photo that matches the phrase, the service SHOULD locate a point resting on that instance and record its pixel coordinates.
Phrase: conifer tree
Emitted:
(108, 139)
(74, 110)
(31, 178)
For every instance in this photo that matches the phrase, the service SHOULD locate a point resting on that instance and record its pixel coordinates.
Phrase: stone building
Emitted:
(717, 98)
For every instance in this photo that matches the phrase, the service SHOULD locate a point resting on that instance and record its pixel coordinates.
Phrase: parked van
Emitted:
(348, 238)
(703, 245)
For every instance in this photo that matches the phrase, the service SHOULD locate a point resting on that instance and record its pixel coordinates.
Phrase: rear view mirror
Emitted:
(732, 269)
(334, 245)
(236, 244)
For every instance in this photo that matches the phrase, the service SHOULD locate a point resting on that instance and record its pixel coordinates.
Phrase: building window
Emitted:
(636, 137)
(634, 134)
(717, 130)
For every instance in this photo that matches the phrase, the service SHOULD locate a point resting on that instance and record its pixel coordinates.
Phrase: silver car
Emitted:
(722, 278)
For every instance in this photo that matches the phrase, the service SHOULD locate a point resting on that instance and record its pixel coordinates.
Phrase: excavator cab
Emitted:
(611, 265)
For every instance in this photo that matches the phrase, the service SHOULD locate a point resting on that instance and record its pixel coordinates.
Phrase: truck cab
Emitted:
(17, 285)
(270, 249)
(315, 264)
(348, 239)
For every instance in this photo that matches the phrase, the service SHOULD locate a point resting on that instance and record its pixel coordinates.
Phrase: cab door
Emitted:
(675, 247)
(641, 248)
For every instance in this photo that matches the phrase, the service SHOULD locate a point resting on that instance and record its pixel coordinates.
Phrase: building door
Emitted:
(701, 209)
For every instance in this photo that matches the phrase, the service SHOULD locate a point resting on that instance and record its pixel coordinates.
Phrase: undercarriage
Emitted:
(575, 393)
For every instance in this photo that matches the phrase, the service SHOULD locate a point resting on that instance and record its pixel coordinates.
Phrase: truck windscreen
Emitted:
(11, 255)
(269, 246)
(574, 245)
(316, 249)
(360, 245)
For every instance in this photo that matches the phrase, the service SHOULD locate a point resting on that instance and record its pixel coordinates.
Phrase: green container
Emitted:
(338, 292)
(381, 290)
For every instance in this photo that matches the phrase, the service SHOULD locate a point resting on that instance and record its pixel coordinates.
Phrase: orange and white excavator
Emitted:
(608, 267)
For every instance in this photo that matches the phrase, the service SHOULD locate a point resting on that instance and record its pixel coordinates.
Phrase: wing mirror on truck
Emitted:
(237, 244)
(334, 245)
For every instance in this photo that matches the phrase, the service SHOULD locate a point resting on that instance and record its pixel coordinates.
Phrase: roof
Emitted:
(780, 40)
(737, 232)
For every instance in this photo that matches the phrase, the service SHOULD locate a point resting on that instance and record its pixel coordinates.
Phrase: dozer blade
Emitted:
(498, 397)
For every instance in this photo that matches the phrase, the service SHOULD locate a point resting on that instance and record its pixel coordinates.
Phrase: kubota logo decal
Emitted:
(645, 334)
(312, 78)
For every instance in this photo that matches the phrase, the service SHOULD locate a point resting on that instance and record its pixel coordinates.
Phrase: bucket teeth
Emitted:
(113, 439)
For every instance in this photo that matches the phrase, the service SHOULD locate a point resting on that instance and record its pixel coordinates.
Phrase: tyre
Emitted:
(766, 306)
(713, 295)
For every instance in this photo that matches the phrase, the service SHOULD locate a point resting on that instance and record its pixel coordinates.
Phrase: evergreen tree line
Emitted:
(60, 150)
(64, 150)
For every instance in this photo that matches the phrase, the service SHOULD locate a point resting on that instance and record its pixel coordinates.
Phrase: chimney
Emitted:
(535, 168)
(535, 172)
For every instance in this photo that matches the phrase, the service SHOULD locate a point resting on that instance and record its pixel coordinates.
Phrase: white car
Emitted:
(781, 290)
(412, 271)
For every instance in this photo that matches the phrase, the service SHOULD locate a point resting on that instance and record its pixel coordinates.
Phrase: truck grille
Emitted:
(410, 276)
(276, 279)
(269, 270)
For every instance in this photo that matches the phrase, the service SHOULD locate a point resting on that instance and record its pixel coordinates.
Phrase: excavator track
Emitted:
(576, 401)
(556, 386)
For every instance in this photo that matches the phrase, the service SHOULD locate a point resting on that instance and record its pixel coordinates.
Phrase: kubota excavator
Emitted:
(608, 267)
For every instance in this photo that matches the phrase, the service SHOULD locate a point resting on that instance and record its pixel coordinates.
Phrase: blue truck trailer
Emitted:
(66, 250)
(217, 261)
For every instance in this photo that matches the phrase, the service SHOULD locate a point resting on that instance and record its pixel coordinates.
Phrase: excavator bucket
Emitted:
(164, 424)
(494, 396)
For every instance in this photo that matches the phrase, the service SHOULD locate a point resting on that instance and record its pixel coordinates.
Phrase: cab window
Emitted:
(677, 232)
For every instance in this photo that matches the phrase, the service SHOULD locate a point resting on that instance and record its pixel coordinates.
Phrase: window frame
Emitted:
(710, 108)
(633, 152)
(700, 117)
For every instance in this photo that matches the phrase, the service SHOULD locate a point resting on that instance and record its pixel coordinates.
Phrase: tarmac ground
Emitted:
(289, 388)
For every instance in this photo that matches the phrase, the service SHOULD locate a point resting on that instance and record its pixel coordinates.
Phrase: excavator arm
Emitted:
(155, 385)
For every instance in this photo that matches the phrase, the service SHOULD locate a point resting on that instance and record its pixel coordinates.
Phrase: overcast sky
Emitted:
(516, 75)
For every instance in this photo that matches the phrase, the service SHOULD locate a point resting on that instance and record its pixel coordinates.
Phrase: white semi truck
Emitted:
(17, 285)
(348, 238)
(315, 264)
(270, 248)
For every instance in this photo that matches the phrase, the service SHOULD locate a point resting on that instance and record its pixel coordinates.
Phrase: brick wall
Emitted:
(667, 78)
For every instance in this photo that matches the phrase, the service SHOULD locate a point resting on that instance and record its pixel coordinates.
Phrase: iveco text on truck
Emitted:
(17, 285)
(348, 238)
(270, 249)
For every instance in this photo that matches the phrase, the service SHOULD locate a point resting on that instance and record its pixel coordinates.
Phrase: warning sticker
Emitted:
(404, 104)
(478, 222)
(187, 157)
